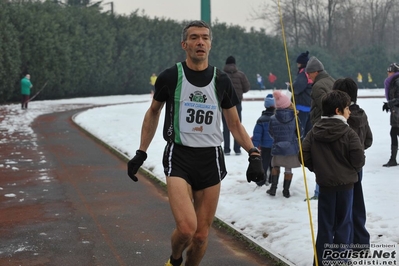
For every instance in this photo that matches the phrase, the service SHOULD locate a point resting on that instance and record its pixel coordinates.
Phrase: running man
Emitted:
(195, 95)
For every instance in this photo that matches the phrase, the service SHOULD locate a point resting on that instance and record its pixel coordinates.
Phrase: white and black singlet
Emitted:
(194, 103)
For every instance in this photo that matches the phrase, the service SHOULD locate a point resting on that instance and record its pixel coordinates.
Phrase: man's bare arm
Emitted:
(150, 124)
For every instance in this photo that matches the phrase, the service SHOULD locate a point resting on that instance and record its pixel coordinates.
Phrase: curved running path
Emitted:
(70, 202)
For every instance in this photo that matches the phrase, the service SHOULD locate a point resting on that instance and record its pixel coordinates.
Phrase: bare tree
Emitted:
(338, 25)
(378, 16)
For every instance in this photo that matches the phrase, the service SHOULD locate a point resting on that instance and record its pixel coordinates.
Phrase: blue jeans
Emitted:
(360, 235)
(335, 224)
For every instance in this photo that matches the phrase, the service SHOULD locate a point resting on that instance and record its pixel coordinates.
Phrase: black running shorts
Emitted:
(200, 167)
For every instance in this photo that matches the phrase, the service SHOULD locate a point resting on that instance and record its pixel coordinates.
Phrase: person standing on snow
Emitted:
(370, 80)
(322, 84)
(392, 105)
(26, 85)
(360, 80)
(272, 80)
(285, 148)
(334, 152)
(241, 85)
(261, 138)
(153, 79)
(259, 80)
(302, 89)
(359, 123)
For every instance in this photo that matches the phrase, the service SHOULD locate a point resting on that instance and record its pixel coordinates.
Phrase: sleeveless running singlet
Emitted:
(197, 117)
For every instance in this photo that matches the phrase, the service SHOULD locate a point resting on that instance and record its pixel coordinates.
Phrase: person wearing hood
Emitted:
(241, 85)
(285, 148)
(334, 152)
(392, 105)
(359, 123)
(261, 138)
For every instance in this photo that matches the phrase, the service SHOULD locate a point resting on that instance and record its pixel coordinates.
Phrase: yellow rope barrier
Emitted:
(299, 135)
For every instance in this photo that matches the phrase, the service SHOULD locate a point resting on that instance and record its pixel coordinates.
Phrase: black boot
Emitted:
(273, 187)
(392, 160)
(287, 184)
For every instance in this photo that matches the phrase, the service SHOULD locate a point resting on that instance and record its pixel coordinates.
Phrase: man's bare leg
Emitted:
(181, 204)
(205, 204)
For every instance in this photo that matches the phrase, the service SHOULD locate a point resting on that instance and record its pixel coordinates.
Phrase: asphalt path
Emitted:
(74, 204)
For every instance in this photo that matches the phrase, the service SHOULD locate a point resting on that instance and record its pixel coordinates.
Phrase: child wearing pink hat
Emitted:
(282, 128)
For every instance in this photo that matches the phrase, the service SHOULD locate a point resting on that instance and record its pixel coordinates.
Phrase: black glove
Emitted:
(255, 170)
(385, 107)
(134, 164)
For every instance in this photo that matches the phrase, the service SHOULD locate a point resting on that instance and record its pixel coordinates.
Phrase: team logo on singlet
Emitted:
(198, 97)
(198, 114)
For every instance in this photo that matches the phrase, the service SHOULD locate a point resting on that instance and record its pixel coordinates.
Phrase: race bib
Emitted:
(198, 118)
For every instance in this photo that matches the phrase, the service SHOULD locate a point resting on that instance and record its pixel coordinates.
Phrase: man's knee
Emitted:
(200, 238)
(186, 232)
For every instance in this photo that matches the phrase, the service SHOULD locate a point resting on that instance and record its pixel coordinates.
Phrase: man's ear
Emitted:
(337, 111)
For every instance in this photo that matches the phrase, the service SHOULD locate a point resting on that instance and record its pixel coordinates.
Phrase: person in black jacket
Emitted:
(302, 89)
(333, 151)
(392, 95)
(241, 85)
(359, 123)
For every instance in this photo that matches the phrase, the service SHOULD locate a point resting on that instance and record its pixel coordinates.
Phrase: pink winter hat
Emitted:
(281, 99)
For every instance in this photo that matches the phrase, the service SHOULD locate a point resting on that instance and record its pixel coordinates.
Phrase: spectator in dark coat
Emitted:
(262, 139)
(302, 89)
(322, 84)
(392, 95)
(359, 123)
(241, 85)
(333, 151)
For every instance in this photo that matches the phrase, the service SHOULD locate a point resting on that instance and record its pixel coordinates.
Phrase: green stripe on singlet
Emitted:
(176, 105)
(214, 86)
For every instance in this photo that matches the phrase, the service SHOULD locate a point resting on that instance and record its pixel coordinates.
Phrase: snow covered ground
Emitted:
(280, 225)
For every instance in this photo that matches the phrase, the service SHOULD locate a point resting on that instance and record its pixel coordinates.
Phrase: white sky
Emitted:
(250, 209)
(236, 12)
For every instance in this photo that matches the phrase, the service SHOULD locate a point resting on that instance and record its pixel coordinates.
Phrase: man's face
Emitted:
(390, 73)
(313, 75)
(198, 44)
(28, 76)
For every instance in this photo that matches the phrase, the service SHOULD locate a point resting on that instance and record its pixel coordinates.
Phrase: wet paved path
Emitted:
(66, 200)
